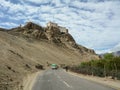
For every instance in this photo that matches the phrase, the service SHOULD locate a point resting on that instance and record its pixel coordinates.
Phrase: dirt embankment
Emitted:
(106, 81)
(19, 57)
(29, 81)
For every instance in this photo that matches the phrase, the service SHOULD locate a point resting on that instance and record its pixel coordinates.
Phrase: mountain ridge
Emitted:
(52, 33)
(117, 53)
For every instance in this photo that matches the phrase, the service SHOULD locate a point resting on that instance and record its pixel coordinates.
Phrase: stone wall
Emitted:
(63, 29)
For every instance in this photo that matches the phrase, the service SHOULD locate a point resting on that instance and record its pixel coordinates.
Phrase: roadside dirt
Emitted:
(106, 81)
(19, 56)
(29, 80)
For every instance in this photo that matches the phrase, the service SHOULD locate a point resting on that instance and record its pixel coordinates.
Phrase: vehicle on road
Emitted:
(54, 66)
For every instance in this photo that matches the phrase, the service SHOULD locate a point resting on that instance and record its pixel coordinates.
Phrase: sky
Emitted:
(94, 24)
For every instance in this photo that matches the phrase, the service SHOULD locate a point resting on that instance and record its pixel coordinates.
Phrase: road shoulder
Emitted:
(105, 81)
(29, 81)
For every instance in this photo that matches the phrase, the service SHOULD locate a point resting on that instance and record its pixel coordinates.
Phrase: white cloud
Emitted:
(116, 48)
(93, 24)
(103, 51)
(38, 1)
(1, 15)
(8, 24)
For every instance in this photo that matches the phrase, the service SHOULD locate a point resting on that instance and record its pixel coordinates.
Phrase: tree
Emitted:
(108, 56)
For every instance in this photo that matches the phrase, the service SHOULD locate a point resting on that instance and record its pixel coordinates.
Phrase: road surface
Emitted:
(60, 80)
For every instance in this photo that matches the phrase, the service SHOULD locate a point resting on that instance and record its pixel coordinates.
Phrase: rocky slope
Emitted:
(51, 34)
(24, 47)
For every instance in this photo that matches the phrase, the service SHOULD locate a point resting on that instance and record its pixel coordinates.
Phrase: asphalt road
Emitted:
(60, 80)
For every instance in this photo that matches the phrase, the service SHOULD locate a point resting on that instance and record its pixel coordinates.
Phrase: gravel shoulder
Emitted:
(106, 81)
(29, 81)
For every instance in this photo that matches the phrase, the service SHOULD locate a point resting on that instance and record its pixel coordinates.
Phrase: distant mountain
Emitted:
(117, 53)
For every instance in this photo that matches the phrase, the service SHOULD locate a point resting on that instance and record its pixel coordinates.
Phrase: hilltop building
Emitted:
(51, 24)
(62, 29)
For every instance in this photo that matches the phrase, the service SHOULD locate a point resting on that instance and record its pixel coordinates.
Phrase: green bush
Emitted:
(109, 66)
(118, 75)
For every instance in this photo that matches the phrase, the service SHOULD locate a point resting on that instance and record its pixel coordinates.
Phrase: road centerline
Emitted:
(67, 84)
(64, 81)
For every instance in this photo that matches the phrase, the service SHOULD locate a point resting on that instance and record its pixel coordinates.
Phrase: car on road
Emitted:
(54, 66)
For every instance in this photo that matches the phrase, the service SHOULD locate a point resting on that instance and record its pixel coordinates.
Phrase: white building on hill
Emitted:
(49, 24)
(62, 29)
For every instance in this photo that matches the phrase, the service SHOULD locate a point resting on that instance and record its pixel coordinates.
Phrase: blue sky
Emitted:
(94, 24)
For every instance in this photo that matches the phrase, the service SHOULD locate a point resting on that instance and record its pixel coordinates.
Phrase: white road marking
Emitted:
(63, 81)
(67, 84)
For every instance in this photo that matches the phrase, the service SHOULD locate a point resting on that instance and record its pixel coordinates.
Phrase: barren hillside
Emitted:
(22, 48)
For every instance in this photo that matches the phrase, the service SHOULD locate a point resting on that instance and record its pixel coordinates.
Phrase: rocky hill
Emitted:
(24, 47)
(54, 34)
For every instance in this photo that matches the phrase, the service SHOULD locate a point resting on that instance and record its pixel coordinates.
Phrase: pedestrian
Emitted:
(66, 68)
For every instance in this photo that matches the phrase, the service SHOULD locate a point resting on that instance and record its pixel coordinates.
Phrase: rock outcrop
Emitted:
(52, 33)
